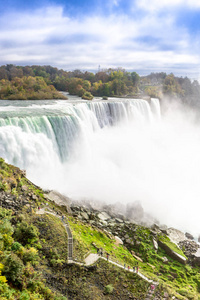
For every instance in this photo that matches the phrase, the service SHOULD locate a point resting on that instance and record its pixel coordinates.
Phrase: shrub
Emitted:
(5, 213)
(13, 268)
(87, 96)
(30, 255)
(2, 278)
(26, 233)
(29, 278)
(16, 246)
(24, 296)
(108, 289)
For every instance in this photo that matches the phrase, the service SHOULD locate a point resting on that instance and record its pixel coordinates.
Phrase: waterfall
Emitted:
(35, 131)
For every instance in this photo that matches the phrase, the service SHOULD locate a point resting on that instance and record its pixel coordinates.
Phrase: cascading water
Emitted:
(33, 131)
(112, 151)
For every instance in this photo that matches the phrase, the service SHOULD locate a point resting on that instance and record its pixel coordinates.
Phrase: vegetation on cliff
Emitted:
(34, 251)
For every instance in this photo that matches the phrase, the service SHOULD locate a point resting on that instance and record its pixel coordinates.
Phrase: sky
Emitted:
(138, 35)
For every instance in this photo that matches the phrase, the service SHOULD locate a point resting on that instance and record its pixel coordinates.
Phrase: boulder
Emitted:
(103, 216)
(104, 223)
(59, 199)
(119, 220)
(172, 254)
(155, 244)
(24, 188)
(189, 236)
(84, 215)
(165, 259)
(129, 241)
(118, 241)
(175, 235)
(137, 257)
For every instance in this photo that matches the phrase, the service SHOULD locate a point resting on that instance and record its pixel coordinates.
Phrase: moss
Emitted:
(166, 240)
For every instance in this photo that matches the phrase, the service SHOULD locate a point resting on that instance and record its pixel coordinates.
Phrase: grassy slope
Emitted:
(75, 282)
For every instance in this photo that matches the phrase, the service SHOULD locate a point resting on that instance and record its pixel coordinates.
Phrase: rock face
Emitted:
(59, 199)
(14, 203)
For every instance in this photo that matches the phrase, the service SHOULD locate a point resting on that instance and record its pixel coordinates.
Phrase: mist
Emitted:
(154, 162)
(144, 157)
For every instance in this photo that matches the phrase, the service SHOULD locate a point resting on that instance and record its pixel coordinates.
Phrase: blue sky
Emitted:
(140, 35)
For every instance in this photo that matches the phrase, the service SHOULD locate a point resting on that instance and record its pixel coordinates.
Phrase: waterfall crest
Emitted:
(58, 127)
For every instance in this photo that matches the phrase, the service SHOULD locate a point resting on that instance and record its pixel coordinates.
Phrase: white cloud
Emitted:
(47, 36)
(156, 5)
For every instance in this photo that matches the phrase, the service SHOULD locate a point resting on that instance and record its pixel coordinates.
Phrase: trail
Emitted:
(92, 257)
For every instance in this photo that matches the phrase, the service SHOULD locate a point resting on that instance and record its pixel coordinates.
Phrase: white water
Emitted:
(116, 151)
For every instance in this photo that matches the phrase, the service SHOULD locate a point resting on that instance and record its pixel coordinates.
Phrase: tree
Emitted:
(135, 78)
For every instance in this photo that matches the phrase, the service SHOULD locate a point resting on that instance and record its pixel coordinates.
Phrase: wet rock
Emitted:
(104, 223)
(155, 229)
(103, 216)
(119, 220)
(189, 236)
(112, 224)
(84, 215)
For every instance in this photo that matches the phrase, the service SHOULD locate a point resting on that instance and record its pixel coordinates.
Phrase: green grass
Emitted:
(172, 276)
(85, 236)
(164, 239)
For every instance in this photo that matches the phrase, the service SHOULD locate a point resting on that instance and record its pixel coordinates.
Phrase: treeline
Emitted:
(28, 88)
(108, 83)
(161, 85)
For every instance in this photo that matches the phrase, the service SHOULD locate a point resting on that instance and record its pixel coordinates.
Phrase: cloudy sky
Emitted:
(141, 35)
